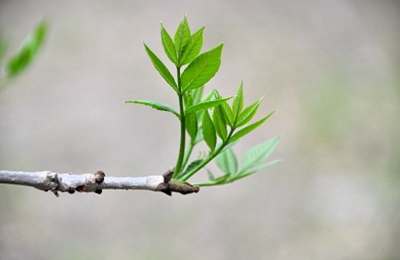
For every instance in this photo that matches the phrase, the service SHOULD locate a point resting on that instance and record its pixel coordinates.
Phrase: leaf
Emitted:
(193, 48)
(258, 154)
(161, 68)
(27, 52)
(209, 133)
(209, 96)
(221, 179)
(244, 131)
(219, 123)
(205, 105)
(182, 37)
(210, 175)
(227, 162)
(237, 105)
(254, 170)
(191, 125)
(197, 93)
(202, 69)
(193, 164)
(227, 113)
(248, 113)
(2, 48)
(154, 105)
(168, 44)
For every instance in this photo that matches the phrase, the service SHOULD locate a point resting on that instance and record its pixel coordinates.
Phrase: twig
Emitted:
(97, 182)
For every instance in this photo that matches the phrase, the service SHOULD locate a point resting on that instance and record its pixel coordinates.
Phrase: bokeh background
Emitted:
(329, 68)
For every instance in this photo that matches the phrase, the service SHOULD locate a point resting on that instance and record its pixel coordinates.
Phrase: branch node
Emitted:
(99, 176)
(170, 185)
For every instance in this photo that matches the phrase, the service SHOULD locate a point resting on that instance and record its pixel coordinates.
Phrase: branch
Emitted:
(97, 182)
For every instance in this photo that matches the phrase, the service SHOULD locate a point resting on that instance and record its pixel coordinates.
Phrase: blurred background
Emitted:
(330, 69)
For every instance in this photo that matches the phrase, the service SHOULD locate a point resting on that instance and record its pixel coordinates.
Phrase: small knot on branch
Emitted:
(172, 185)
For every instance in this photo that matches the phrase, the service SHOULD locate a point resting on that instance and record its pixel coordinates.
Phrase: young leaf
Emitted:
(244, 131)
(191, 125)
(227, 112)
(202, 69)
(168, 44)
(209, 96)
(182, 38)
(255, 169)
(193, 48)
(237, 105)
(2, 48)
(227, 162)
(205, 105)
(197, 94)
(219, 122)
(258, 154)
(154, 105)
(248, 113)
(161, 68)
(209, 133)
(193, 164)
(210, 175)
(27, 52)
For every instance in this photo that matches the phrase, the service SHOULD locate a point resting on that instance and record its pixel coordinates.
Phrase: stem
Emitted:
(188, 153)
(209, 158)
(179, 163)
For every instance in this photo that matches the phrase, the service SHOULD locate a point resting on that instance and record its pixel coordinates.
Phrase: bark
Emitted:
(97, 182)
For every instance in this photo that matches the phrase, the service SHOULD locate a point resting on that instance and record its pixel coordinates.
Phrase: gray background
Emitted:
(329, 68)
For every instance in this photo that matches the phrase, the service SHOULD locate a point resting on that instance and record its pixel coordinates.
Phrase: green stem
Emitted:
(209, 158)
(188, 153)
(179, 163)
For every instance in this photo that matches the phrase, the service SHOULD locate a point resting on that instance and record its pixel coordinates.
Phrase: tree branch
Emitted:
(97, 182)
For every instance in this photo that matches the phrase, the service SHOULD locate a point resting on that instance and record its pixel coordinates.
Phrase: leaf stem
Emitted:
(209, 158)
(181, 155)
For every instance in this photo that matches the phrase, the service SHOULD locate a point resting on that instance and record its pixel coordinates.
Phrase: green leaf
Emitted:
(227, 112)
(193, 48)
(244, 131)
(222, 179)
(209, 96)
(208, 129)
(210, 175)
(2, 48)
(202, 69)
(182, 38)
(27, 52)
(258, 154)
(248, 113)
(168, 44)
(161, 68)
(237, 105)
(219, 122)
(154, 105)
(191, 125)
(254, 170)
(227, 162)
(205, 105)
(193, 164)
(197, 93)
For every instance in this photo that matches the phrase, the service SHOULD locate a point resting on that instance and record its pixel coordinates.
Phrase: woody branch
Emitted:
(97, 182)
